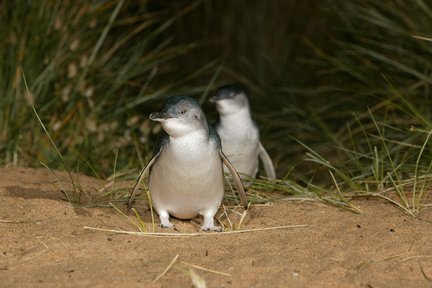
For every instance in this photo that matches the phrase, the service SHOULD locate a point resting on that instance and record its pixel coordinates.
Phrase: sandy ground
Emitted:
(44, 244)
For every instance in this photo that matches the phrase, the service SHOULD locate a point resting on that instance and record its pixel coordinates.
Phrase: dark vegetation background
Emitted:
(340, 88)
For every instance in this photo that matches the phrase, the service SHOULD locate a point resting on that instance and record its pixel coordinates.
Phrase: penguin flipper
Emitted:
(140, 179)
(236, 178)
(267, 162)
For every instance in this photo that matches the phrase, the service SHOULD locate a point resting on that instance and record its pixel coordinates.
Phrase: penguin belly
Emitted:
(244, 159)
(242, 151)
(187, 185)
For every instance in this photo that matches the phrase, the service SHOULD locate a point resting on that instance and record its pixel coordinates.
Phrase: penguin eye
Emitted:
(183, 111)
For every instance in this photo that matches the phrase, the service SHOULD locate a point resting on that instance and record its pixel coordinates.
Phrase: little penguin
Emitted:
(239, 133)
(186, 172)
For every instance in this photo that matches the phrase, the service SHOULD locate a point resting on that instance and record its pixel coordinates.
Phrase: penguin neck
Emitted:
(191, 142)
(241, 118)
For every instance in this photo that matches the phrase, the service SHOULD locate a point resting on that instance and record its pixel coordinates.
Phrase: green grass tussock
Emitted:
(373, 63)
(91, 67)
(340, 88)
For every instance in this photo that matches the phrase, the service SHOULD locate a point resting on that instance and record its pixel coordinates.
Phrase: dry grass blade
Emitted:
(415, 257)
(139, 225)
(422, 38)
(205, 269)
(20, 222)
(8, 221)
(166, 269)
(43, 244)
(243, 216)
(424, 273)
(140, 221)
(140, 179)
(181, 235)
(151, 211)
(225, 214)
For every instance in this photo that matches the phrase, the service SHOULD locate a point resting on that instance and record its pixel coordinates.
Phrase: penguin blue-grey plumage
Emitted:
(239, 133)
(186, 172)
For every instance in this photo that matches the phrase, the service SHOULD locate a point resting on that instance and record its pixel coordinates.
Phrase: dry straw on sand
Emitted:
(181, 235)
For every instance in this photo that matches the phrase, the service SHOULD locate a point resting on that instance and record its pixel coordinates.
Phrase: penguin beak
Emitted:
(159, 116)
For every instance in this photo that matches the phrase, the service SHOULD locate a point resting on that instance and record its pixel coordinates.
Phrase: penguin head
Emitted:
(180, 115)
(229, 99)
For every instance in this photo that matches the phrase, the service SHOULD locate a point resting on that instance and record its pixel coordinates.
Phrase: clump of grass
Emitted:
(359, 110)
(92, 68)
(386, 167)
(374, 61)
(391, 168)
(88, 86)
(376, 57)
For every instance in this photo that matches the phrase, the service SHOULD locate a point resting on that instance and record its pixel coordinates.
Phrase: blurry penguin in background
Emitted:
(239, 133)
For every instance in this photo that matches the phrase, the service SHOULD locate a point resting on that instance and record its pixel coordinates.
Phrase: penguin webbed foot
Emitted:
(209, 223)
(169, 225)
(212, 228)
(164, 220)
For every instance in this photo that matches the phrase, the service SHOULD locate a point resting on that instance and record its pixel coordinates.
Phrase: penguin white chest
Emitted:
(241, 145)
(187, 178)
